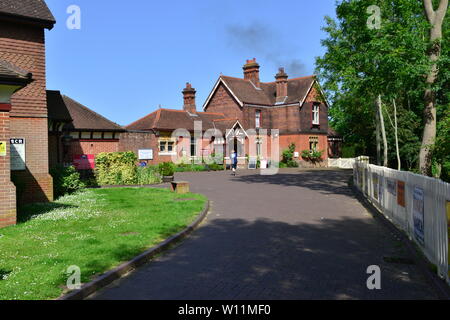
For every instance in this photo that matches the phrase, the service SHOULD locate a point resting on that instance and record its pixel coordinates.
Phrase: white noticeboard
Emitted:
(146, 154)
(18, 154)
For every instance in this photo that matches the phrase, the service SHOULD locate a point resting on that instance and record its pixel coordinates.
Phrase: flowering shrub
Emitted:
(116, 168)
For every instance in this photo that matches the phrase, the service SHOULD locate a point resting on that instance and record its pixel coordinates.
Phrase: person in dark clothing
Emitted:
(234, 162)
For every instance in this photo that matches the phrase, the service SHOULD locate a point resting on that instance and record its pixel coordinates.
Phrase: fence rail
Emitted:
(418, 205)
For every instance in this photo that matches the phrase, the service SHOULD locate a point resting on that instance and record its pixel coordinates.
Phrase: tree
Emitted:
(390, 60)
(436, 19)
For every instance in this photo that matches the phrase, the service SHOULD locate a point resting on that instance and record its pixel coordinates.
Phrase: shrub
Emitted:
(167, 169)
(116, 168)
(148, 175)
(65, 180)
(312, 156)
(288, 158)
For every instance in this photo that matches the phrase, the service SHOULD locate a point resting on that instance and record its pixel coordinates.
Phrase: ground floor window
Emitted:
(166, 146)
(193, 147)
(313, 143)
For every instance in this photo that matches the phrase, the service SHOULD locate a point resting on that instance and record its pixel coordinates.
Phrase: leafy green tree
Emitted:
(388, 60)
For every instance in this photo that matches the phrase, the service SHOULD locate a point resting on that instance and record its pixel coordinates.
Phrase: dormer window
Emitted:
(258, 119)
(315, 115)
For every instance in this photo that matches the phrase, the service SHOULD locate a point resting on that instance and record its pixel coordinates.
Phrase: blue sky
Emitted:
(132, 56)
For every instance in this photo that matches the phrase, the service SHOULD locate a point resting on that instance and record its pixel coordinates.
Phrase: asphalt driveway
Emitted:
(295, 235)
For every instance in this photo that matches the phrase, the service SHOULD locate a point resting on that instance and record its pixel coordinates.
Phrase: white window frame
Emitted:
(166, 142)
(258, 119)
(316, 115)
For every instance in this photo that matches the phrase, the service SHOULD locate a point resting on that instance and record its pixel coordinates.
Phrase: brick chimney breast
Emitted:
(251, 72)
(281, 85)
(189, 99)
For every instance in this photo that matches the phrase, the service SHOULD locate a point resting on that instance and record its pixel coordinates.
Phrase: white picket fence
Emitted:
(342, 163)
(414, 203)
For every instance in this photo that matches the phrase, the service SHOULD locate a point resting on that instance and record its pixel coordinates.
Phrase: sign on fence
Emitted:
(415, 194)
(375, 186)
(391, 186)
(418, 215)
(401, 193)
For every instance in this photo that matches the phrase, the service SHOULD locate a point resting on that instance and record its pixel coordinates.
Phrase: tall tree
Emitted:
(390, 60)
(436, 19)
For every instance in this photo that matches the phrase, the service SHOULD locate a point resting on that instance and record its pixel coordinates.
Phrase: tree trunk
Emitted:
(383, 131)
(399, 162)
(436, 19)
(378, 136)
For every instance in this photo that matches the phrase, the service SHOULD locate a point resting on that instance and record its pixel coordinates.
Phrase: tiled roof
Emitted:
(10, 71)
(57, 109)
(332, 132)
(86, 119)
(246, 92)
(170, 119)
(36, 10)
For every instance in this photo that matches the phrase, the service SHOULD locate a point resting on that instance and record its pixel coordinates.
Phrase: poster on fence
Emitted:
(391, 186)
(418, 214)
(375, 183)
(401, 193)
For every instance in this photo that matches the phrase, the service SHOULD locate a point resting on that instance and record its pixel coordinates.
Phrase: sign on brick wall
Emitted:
(146, 154)
(18, 154)
(2, 148)
(84, 162)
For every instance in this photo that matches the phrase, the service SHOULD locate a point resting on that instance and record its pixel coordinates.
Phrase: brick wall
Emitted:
(24, 46)
(223, 102)
(35, 183)
(302, 143)
(133, 141)
(7, 189)
(94, 147)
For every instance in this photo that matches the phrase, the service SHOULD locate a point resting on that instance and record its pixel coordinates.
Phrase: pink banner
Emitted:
(84, 162)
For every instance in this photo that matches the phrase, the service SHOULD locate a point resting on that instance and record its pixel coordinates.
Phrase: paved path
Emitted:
(296, 235)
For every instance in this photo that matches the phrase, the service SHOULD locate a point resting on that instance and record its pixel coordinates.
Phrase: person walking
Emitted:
(234, 162)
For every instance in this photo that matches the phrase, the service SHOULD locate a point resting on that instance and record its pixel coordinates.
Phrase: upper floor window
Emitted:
(258, 119)
(315, 114)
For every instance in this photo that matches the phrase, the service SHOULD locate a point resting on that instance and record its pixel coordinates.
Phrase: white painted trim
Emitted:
(234, 125)
(307, 92)
(167, 153)
(219, 81)
(321, 91)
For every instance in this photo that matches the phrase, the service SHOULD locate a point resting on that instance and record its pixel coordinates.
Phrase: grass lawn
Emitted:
(95, 229)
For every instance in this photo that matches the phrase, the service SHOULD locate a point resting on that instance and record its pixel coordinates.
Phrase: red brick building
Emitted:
(170, 133)
(24, 126)
(296, 107)
(77, 134)
(239, 109)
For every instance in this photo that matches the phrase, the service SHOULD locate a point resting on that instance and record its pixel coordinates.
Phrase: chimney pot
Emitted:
(251, 72)
(281, 85)
(189, 99)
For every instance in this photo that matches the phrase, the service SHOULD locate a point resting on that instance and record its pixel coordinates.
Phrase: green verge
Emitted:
(95, 229)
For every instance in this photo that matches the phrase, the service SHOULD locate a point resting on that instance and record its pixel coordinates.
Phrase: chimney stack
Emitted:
(251, 72)
(282, 85)
(189, 99)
